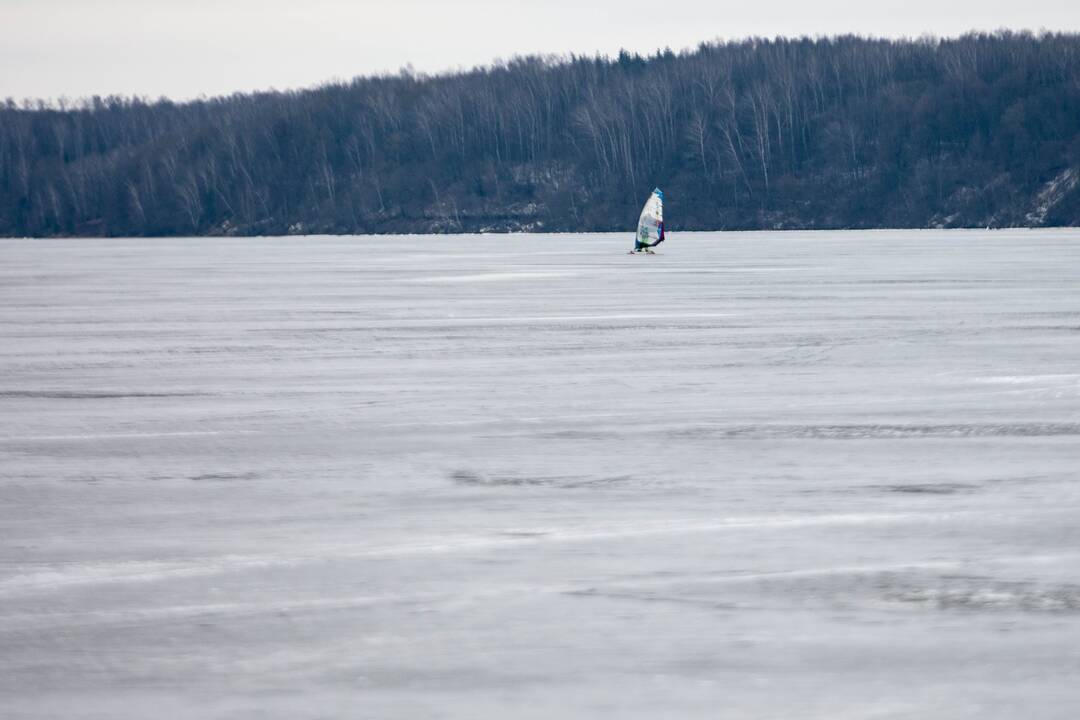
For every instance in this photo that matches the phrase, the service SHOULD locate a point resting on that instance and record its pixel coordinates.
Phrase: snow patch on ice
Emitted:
(489, 277)
(136, 571)
(1025, 379)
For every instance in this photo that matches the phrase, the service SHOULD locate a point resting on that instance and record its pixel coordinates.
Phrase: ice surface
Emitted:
(797, 475)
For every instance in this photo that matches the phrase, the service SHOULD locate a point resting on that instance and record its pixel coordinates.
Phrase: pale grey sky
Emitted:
(183, 48)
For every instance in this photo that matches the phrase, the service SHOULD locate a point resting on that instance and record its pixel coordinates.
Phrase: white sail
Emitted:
(650, 228)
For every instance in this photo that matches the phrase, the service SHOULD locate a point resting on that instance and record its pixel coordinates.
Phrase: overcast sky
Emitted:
(184, 48)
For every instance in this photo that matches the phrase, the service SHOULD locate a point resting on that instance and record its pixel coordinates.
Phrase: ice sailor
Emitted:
(650, 229)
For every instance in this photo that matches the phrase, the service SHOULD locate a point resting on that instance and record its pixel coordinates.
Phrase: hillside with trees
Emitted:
(846, 132)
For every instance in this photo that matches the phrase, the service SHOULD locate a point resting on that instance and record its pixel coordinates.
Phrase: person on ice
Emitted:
(650, 230)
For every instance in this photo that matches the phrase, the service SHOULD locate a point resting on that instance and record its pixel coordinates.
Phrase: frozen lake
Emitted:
(759, 475)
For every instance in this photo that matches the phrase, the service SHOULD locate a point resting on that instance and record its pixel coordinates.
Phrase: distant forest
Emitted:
(845, 132)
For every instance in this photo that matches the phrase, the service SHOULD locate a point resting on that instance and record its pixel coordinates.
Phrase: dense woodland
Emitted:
(982, 130)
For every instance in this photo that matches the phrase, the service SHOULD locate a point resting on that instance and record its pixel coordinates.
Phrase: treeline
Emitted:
(982, 130)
